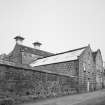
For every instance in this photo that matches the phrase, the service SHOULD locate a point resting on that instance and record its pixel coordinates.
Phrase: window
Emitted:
(84, 67)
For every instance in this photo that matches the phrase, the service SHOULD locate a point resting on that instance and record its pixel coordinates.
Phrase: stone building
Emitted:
(78, 70)
(24, 55)
(77, 63)
(98, 62)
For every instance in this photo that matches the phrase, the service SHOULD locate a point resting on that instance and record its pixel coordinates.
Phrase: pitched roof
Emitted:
(60, 57)
(34, 51)
(27, 49)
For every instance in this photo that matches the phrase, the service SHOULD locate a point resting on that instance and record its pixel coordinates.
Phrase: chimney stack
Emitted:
(19, 39)
(37, 45)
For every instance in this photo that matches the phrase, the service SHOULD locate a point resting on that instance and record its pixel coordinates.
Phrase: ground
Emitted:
(92, 98)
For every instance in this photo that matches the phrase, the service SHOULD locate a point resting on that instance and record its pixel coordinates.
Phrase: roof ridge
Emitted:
(64, 52)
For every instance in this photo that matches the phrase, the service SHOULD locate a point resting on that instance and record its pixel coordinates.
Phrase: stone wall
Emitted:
(69, 68)
(99, 70)
(21, 81)
(86, 71)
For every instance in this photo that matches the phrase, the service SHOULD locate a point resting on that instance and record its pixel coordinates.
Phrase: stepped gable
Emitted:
(60, 57)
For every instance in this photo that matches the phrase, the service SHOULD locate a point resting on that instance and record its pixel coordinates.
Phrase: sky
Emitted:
(60, 25)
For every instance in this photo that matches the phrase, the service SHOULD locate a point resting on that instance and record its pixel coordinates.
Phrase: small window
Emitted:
(84, 67)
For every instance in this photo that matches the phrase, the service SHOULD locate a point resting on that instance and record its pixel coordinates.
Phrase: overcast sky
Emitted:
(60, 25)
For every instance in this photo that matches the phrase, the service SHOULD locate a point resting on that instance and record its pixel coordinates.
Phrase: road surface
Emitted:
(93, 98)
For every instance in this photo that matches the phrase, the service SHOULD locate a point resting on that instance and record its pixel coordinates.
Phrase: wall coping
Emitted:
(27, 67)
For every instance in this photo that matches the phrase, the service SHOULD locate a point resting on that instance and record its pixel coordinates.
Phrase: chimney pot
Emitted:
(19, 39)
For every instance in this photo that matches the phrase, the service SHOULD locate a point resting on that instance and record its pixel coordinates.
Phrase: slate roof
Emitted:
(19, 48)
(34, 51)
(60, 57)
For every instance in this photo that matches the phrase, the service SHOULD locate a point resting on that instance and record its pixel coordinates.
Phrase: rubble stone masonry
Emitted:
(21, 81)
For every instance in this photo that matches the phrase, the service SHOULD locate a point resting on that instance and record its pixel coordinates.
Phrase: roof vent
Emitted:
(19, 39)
(37, 45)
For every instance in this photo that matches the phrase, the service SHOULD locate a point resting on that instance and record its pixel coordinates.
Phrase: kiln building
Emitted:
(81, 68)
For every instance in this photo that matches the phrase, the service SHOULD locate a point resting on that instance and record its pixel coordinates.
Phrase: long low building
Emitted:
(76, 63)
(40, 72)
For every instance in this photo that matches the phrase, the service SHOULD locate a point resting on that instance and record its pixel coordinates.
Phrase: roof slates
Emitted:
(67, 56)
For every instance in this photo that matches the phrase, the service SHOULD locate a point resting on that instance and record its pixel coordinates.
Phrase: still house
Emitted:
(77, 63)
(82, 65)
(24, 55)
